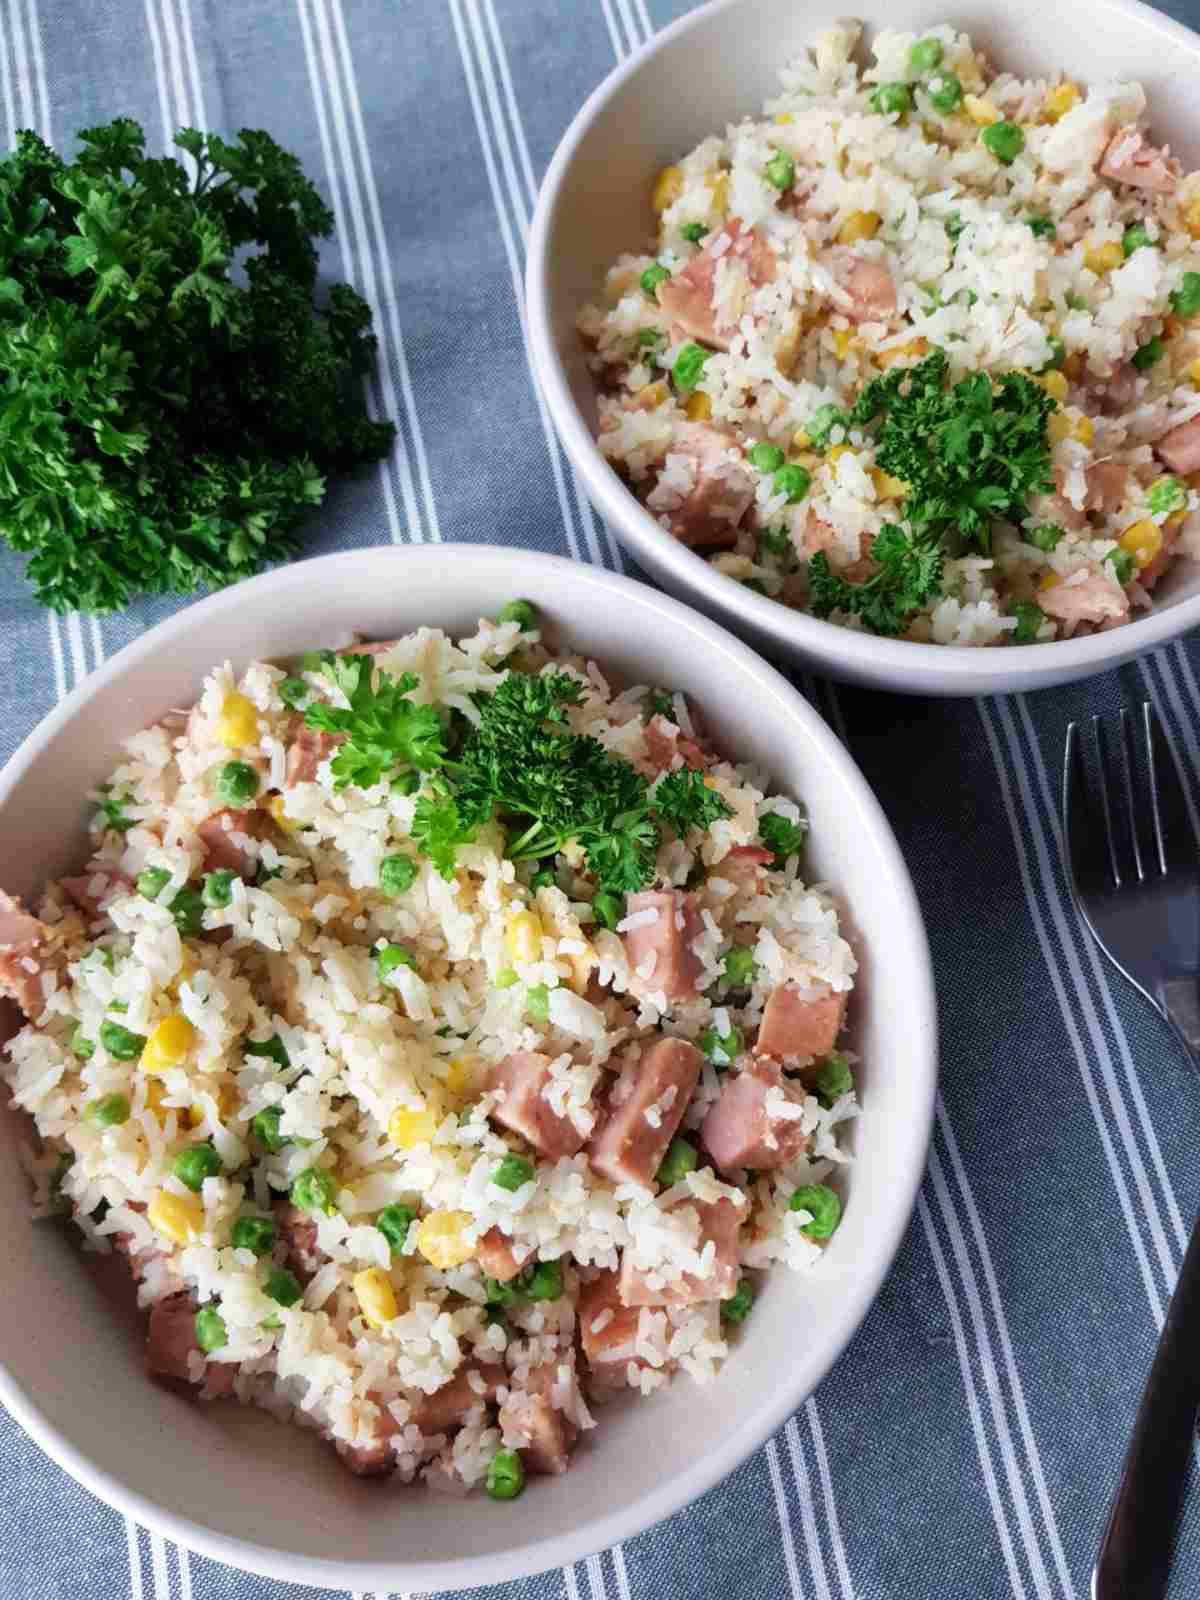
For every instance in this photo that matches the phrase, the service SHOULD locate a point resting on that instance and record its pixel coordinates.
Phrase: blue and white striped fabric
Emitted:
(967, 1442)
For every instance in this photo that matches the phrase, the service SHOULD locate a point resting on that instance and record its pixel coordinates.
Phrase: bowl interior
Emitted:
(716, 68)
(244, 1489)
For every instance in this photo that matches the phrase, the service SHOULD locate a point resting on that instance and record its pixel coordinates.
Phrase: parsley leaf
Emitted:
(909, 574)
(384, 729)
(684, 800)
(782, 836)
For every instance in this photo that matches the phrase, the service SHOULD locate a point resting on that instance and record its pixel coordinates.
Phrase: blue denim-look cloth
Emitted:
(967, 1442)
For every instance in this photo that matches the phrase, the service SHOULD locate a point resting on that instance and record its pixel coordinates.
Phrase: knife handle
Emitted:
(1135, 1554)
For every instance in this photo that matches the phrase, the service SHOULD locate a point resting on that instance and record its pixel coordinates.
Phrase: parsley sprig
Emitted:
(385, 732)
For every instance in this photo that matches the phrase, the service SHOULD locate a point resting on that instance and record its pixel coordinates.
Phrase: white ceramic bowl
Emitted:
(716, 66)
(236, 1486)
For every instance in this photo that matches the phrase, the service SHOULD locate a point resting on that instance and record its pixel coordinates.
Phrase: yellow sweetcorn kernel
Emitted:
(1050, 580)
(1191, 216)
(408, 1128)
(460, 1076)
(668, 186)
(1084, 430)
(859, 225)
(1055, 385)
(275, 805)
(1073, 366)
(168, 1044)
(375, 1295)
(1177, 518)
(180, 1218)
(783, 116)
(1102, 258)
(237, 724)
(1059, 101)
(981, 112)
(652, 396)
(226, 1103)
(440, 1239)
(1059, 427)
(718, 187)
(844, 341)
(155, 1095)
(801, 441)
(699, 407)
(1143, 540)
(835, 453)
(523, 936)
(887, 487)
(1192, 374)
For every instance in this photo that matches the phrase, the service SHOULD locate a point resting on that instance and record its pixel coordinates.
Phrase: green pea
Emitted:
(891, 99)
(823, 1203)
(1043, 228)
(1134, 238)
(1044, 537)
(110, 1111)
(187, 912)
(651, 278)
(81, 1045)
(505, 1475)
(793, 482)
(265, 1125)
(693, 232)
(924, 56)
(609, 907)
(218, 887)
(824, 420)
(767, 457)
(294, 692)
(537, 1003)
(237, 783)
(689, 367)
(282, 1286)
(1147, 354)
(945, 93)
(834, 1079)
(513, 1173)
(197, 1162)
(211, 1332)
(1165, 496)
(390, 958)
(1005, 140)
(543, 1281)
(1123, 565)
(253, 1233)
(151, 882)
(776, 542)
(316, 1190)
(397, 874)
(115, 816)
(1185, 301)
(523, 612)
(393, 1222)
(120, 1042)
(782, 836)
(780, 171)
(722, 1049)
(505, 979)
(739, 967)
(273, 1048)
(738, 1307)
(679, 1160)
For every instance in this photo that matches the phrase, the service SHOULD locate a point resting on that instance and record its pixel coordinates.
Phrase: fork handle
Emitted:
(1135, 1554)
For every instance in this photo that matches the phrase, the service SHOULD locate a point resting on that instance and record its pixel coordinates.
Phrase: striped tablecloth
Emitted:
(967, 1442)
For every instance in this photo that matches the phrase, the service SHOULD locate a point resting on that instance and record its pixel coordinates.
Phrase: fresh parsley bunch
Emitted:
(171, 399)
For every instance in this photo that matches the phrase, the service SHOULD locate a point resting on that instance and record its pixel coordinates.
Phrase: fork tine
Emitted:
(1156, 810)
(1104, 765)
(1128, 771)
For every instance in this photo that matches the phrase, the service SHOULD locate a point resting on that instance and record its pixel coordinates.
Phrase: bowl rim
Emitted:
(602, 1530)
(910, 666)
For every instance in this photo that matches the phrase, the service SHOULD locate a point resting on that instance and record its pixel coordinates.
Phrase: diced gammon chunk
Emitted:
(720, 1223)
(689, 297)
(222, 849)
(171, 1341)
(520, 1081)
(298, 1235)
(1085, 597)
(531, 1422)
(745, 1128)
(646, 1106)
(92, 890)
(799, 1022)
(872, 291)
(373, 1457)
(1057, 509)
(308, 748)
(667, 747)
(662, 945)
(607, 1328)
(1106, 485)
(1153, 570)
(1130, 158)
(24, 956)
(744, 866)
(496, 1257)
(704, 488)
(1180, 448)
(447, 1407)
(370, 647)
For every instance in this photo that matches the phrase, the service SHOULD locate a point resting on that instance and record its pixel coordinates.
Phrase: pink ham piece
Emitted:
(170, 1342)
(628, 1148)
(1153, 570)
(298, 1235)
(871, 289)
(496, 1257)
(668, 747)
(607, 1328)
(374, 1457)
(687, 298)
(1130, 158)
(1085, 597)
(739, 1130)
(221, 849)
(720, 1224)
(1180, 448)
(714, 493)
(1057, 509)
(543, 1434)
(92, 891)
(523, 1108)
(447, 1407)
(800, 1023)
(744, 866)
(1106, 485)
(24, 942)
(1118, 391)
(308, 748)
(370, 647)
(669, 939)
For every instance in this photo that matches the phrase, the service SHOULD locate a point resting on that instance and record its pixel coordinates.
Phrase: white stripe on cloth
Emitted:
(813, 1418)
(808, 1520)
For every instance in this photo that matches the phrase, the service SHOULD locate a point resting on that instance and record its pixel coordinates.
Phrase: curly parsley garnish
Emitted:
(386, 733)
